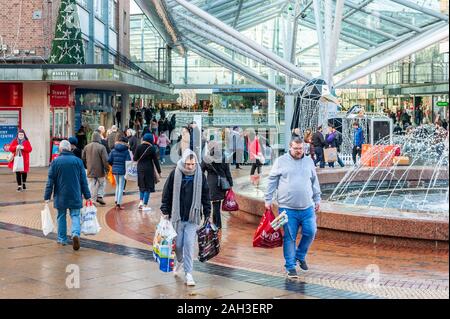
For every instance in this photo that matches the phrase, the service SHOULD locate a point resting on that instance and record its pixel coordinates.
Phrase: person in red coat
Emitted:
(23, 144)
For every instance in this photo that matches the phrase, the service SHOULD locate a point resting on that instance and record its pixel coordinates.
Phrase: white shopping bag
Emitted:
(18, 165)
(131, 171)
(89, 221)
(46, 220)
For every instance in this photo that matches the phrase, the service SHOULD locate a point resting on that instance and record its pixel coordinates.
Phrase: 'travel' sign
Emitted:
(61, 96)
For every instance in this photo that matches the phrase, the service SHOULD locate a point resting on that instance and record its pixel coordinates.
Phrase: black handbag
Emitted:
(222, 182)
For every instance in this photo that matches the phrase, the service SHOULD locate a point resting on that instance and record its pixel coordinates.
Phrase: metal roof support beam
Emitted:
(345, 33)
(235, 64)
(416, 7)
(349, 38)
(309, 47)
(255, 4)
(356, 8)
(381, 49)
(334, 41)
(320, 35)
(382, 33)
(251, 14)
(408, 48)
(238, 13)
(256, 21)
(261, 14)
(328, 28)
(224, 43)
(230, 43)
(304, 9)
(217, 61)
(239, 37)
(382, 17)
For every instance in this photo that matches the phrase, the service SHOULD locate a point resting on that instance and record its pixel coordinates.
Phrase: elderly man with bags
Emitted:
(67, 182)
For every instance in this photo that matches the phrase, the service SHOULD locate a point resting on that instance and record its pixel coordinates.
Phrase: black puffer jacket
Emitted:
(185, 194)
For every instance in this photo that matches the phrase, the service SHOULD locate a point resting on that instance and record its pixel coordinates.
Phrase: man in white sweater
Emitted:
(294, 176)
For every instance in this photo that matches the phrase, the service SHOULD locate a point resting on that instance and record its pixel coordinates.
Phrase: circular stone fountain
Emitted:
(386, 204)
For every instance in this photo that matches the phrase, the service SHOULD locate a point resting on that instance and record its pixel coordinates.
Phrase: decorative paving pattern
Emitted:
(246, 276)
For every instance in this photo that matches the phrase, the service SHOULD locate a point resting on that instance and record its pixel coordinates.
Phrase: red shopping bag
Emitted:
(229, 204)
(265, 236)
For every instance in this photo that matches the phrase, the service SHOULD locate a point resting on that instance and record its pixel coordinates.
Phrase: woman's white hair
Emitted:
(64, 145)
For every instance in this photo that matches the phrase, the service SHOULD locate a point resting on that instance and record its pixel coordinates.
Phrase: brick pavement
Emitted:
(405, 273)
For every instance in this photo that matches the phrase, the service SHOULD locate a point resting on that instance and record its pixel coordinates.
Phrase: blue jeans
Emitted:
(62, 224)
(145, 197)
(162, 153)
(296, 218)
(340, 162)
(120, 185)
(319, 156)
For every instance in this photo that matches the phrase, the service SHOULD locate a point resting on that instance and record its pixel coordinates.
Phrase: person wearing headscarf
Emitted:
(146, 156)
(21, 145)
(185, 199)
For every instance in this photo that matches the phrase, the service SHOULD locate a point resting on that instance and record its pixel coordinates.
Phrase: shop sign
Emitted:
(61, 96)
(442, 103)
(64, 75)
(11, 95)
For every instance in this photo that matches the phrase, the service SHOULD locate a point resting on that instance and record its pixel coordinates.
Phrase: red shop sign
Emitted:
(11, 94)
(61, 95)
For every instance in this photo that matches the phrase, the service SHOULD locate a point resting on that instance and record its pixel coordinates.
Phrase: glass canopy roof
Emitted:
(365, 25)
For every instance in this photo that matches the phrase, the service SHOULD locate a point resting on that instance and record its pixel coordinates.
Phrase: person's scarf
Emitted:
(195, 211)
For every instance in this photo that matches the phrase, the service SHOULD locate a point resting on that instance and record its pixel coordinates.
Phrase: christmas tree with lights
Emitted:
(67, 46)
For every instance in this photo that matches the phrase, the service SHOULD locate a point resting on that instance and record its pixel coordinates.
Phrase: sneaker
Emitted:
(190, 280)
(24, 187)
(178, 269)
(141, 205)
(101, 201)
(146, 209)
(76, 242)
(302, 264)
(292, 273)
(19, 189)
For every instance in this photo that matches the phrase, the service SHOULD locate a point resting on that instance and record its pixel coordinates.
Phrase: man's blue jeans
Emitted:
(319, 156)
(62, 224)
(305, 218)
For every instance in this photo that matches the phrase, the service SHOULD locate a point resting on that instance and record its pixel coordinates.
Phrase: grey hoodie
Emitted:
(296, 181)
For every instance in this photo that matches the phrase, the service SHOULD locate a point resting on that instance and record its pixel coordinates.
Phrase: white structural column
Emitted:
(320, 35)
(289, 34)
(328, 27)
(271, 109)
(239, 37)
(408, 48)
(334, 42)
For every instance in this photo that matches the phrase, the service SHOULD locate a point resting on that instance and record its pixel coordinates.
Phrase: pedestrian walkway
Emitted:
(117, 263)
